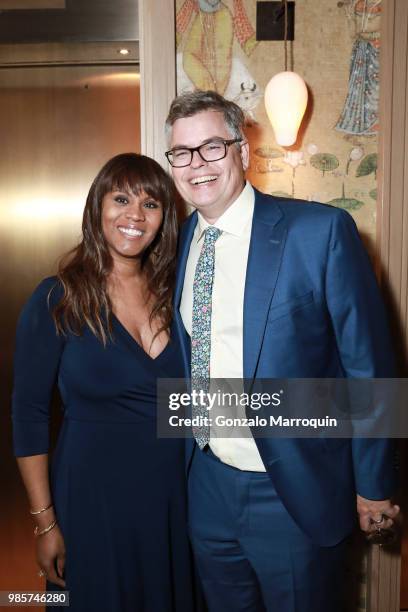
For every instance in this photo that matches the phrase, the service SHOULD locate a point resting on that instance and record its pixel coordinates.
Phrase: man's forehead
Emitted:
(197, 128)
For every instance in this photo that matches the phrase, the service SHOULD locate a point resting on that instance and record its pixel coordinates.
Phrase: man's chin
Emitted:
(203, 206)
(199, 203)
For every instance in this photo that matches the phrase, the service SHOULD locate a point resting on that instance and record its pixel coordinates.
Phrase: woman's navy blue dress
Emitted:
(118, 490)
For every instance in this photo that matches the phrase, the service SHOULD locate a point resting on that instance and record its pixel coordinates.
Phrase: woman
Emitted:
(360, 112)
(111, 524)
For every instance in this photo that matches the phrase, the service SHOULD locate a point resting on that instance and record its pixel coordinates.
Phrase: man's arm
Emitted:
(360, 325)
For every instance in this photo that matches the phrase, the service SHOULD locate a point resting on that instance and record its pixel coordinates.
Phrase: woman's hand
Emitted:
(50, 547)
(50, 550)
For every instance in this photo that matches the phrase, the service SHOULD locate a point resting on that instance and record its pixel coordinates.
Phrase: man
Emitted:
(272, 288)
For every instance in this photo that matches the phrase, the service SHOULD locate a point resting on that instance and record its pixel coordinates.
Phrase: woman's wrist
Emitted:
(43, 516)
(41, 510)
(44, 530)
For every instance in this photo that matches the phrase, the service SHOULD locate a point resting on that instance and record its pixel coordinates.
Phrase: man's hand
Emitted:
(371, 513)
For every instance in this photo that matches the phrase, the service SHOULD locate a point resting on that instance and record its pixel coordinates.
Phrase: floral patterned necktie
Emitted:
(201, 329)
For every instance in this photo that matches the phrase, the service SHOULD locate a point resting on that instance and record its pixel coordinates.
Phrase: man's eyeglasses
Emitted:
(179, 157)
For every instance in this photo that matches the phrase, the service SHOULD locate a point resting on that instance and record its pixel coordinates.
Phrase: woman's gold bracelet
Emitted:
(37, 531)
(40, 511)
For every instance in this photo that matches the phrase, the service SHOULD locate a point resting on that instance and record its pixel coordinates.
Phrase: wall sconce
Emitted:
(285, 103)
(286, 99)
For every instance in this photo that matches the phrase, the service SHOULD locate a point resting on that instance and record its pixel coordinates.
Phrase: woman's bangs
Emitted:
(137, 181)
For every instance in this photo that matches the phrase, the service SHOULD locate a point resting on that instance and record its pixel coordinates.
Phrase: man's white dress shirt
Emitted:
(231, 256)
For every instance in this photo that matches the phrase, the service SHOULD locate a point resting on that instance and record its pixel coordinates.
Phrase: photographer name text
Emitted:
(256, 421)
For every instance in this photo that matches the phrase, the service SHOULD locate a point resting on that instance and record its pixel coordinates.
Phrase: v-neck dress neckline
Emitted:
(136, 345)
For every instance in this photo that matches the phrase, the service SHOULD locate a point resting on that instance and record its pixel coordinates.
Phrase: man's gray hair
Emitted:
(191, 103)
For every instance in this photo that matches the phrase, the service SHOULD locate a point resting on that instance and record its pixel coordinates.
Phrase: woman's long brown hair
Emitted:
(83, 271)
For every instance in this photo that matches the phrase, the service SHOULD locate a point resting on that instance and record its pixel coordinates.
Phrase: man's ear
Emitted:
(245, 155)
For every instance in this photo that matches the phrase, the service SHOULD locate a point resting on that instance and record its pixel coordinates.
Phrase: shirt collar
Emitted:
(235, 218)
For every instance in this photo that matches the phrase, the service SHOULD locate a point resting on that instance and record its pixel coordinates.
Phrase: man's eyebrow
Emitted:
(206, 141)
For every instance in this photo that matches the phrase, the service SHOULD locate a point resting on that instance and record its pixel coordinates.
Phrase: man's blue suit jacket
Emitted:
(312, 309)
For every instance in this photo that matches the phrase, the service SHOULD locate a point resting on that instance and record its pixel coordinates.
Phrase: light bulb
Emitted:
(285, 103)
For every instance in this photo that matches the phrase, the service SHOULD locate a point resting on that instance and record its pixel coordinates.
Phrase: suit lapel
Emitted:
(186, 236)
(265, 253)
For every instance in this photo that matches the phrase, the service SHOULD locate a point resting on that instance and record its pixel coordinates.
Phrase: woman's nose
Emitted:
(135, 212)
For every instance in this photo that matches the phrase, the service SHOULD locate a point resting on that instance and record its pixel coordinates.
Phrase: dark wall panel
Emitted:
(93, 20)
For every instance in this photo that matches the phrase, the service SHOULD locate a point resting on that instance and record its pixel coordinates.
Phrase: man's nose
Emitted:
(197, 161)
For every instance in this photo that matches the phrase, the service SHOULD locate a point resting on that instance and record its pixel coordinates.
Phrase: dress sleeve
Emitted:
(36, 363)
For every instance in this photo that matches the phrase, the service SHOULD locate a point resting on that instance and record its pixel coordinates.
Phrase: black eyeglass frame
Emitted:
(226, 143)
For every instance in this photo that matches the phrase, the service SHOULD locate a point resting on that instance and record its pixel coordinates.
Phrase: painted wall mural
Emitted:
(336, 50)
(206, 58)
(360, 112)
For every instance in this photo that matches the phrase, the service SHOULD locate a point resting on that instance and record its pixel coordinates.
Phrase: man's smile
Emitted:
(201, 180)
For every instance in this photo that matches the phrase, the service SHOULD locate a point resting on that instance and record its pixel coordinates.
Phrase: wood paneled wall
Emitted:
(392, 227)
(157, 73)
